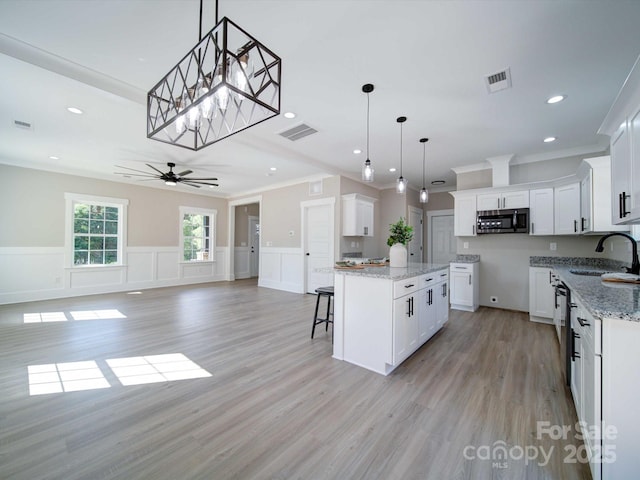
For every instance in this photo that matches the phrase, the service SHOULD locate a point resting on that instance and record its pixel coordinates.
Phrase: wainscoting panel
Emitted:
(31, 274)
(282, 269)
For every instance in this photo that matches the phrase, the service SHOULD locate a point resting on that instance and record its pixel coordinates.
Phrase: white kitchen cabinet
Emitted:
(499, 200)
(541, 294)
(566, 208)
(427, 317)
(464, 290)
(357, 215)
(441, 293)
(541, 211)
(595, 196)
(405, 326)
(464, 215)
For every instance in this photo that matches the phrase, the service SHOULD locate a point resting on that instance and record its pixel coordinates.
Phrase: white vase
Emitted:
(398, 256)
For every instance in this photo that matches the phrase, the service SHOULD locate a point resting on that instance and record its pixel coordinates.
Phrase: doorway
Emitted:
(318, 242)
(415, 245)
(243, 260)
(442, 243)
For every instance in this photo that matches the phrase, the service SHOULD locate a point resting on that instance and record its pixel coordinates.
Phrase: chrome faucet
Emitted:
(635, 264)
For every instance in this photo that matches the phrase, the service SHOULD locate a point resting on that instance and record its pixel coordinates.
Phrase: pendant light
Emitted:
(401, 183)
(367, 169)
(226, 83)
(424, 193)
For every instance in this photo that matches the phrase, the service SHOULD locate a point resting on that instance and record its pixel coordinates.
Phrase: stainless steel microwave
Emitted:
(503, 221)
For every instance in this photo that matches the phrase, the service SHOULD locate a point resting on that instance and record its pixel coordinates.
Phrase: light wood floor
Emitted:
(276, 405)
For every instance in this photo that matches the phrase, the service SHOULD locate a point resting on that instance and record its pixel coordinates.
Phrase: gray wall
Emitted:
(32, 207)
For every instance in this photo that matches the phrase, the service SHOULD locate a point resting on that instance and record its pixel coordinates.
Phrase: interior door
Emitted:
(318, 245)
(415, 245)
(443, 242)
(254, 246)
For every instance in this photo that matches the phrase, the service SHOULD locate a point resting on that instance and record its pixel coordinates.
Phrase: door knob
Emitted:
(307, 254)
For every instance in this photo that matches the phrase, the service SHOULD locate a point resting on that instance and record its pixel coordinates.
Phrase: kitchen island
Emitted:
(382, 315)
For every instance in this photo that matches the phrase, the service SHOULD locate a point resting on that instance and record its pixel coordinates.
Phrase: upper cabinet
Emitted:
(499, 200)
(566, 209)
(622, 125)
(541, 211)
(595, 196)
(357, 215)
(464, 215)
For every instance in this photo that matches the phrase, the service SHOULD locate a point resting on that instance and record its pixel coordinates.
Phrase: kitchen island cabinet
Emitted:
(382, 315)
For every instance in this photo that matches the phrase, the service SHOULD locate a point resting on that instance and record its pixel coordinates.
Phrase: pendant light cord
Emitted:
(367, 125)
(401, 150)
(424, 154)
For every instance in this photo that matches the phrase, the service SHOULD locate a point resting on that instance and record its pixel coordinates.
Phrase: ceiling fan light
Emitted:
(171, 183)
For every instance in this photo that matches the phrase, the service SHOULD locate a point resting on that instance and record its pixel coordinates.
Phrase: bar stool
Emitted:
(323, 292)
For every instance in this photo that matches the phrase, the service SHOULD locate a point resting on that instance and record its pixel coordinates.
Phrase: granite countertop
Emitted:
(466, 259)
(412, 270)
(603, 299)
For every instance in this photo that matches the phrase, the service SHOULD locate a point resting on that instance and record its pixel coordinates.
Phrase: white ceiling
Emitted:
(427, 60)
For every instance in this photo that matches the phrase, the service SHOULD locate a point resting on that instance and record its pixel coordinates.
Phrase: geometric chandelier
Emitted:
(228, 82)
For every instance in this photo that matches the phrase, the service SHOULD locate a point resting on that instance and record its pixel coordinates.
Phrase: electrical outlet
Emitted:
(353, 244)
(269, 244)
(494, 299)
(465, 245)
(553, 246)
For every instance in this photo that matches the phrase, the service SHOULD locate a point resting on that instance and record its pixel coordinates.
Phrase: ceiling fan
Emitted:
(170, 177)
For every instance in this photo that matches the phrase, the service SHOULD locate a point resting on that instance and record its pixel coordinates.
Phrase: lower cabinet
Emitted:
(417, 316)
(465, 287)
(541, 293)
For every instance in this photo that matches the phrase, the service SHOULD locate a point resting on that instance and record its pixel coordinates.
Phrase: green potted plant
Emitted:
(399, 235)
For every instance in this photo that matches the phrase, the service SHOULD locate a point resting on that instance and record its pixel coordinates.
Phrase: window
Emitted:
(197, 234)
(96, 229)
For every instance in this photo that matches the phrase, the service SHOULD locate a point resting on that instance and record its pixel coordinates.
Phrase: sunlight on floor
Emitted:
(155, 368)
(65, 377)
(45, 317)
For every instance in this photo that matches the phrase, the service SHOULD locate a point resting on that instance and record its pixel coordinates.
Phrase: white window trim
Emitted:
(213, 213)
(70, 200)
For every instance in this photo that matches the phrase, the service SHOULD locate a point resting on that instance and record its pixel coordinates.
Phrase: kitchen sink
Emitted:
(590, 273)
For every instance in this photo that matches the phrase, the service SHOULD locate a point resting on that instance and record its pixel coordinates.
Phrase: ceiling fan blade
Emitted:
(191, 184)
(200, 183)
(186, 172)
(133, 169)
(151, 166)
(199, 179)
(149, 175)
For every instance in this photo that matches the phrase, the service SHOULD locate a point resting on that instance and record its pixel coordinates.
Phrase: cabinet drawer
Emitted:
(404, 287)
(429, 279)
(461, 267)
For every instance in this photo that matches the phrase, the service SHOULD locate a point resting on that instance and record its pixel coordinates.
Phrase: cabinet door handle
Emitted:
(532, 229)
(409, 286)
(469, 279)
(620, 206)
(408, 307)
(429, 279)
(583, 322)
(574, 354)
(473, 229)
(582, 227)
(366, 230)
(575, 226)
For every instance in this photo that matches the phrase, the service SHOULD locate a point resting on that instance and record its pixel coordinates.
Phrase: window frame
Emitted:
(213, 226)
(71, 199)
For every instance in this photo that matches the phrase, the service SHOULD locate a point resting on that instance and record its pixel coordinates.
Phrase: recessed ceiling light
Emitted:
(289, 115)
(273, 169)
(53, 157)
(392, 169)
(549, 139)
(357, 151)
(438, 182)
(75, 110)
(556, 98)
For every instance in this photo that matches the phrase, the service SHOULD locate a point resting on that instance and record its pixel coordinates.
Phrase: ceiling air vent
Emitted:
(498, 81)
(21, 124)
(298, 132)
